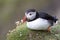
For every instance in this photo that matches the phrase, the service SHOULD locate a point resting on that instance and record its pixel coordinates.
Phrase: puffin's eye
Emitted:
(30, 14)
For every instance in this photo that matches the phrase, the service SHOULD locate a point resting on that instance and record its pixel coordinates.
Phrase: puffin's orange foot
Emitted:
(49, 28)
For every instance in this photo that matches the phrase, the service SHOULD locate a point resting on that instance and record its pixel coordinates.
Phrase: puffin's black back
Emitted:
(46, 16)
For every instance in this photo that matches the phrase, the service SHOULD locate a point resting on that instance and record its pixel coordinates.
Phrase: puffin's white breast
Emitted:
(38, 24)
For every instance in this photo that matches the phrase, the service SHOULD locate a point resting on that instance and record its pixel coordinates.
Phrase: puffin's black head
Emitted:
(30, 10)
(30, 14)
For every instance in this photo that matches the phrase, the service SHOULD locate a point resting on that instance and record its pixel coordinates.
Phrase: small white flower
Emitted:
(21, 21)
(9, 30)
(17, 23)
(57, 35)
(20, 34)
(14, 30)
(37, 34)
(7, 33)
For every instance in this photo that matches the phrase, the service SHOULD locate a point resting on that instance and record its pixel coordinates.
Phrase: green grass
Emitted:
(21, 32)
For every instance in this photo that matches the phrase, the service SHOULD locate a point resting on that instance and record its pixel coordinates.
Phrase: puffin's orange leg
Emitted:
(49, 28)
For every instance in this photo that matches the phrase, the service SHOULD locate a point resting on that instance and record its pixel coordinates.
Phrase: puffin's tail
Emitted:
(55, 19)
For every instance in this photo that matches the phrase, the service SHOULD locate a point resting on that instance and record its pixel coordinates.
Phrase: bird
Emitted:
(38, 20)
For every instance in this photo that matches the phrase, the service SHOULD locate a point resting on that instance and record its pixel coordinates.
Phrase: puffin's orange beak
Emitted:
(24, 19)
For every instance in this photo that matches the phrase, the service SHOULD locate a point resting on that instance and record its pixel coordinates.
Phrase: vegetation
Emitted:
(21, 32)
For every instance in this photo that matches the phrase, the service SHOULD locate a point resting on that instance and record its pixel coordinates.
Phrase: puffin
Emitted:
(38, 20)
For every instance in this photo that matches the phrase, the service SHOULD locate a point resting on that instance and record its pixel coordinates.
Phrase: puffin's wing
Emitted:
(46, 16)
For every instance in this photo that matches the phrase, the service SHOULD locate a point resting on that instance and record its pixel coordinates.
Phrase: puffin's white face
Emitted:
(30, 15)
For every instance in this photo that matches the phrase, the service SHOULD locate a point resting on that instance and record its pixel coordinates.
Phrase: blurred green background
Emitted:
(13, 10)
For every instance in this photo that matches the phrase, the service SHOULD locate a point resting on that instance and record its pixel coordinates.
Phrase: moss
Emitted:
(21, 32)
